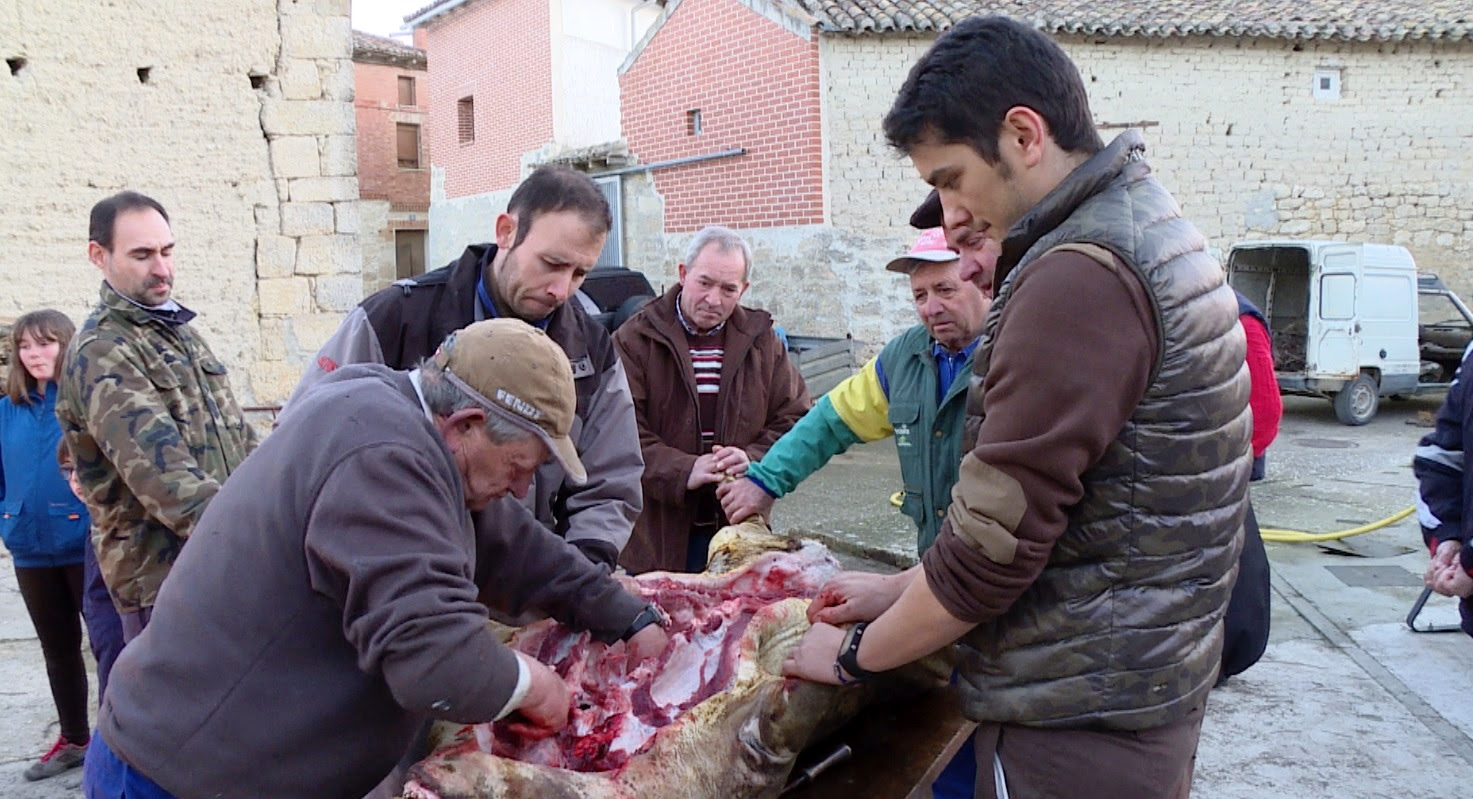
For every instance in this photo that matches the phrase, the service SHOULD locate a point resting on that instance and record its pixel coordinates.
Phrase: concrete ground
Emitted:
(1346, 703)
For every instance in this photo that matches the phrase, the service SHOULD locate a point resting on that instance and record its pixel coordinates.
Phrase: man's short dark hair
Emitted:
(552, 188)
(960, 90)
(105, 213)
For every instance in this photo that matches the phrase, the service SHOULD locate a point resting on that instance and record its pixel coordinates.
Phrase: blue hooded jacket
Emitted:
(41, 522)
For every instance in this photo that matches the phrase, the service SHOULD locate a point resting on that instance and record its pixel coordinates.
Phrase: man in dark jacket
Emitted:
(547, 241)
(713, 389)
(326, 605)
(1091, 543)
(1442, 491)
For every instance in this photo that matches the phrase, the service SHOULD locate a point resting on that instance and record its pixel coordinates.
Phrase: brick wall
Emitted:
(378, 113)
(243, 129)
(1233, 132)
(511, 85)
(756, 84)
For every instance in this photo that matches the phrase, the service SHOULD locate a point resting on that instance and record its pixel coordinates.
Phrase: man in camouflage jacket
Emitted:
(146, 407)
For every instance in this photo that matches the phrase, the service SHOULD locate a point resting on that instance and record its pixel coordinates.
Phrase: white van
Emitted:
(1352, 322)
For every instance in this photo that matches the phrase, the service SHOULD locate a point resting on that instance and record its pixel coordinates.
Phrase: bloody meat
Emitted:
(618, 710)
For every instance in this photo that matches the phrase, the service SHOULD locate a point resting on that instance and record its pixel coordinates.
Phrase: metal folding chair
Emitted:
(1430, 628)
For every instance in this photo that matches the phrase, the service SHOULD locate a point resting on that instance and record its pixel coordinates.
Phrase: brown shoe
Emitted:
(64, 756)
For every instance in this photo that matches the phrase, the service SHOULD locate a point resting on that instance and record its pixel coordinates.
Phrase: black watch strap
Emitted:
(650, 615)
(849, 655)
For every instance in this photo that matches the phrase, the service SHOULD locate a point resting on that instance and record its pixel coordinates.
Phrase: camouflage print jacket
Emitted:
(155, 429)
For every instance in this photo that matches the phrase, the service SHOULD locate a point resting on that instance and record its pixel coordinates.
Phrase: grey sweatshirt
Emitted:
(325, 606)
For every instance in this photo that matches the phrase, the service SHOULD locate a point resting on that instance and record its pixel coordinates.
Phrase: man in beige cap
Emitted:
(327, 603)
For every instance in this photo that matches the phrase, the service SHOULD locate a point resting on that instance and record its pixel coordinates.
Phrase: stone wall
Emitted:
(377, 241)
(459, 221)
(1263, 158)
(236, 115)
(816, 280)
(1233, 129)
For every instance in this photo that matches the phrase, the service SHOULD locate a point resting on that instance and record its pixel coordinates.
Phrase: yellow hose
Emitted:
(1285, 536)
(1299, 537)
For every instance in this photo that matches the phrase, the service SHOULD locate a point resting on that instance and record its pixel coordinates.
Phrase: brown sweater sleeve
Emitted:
(1072, 359)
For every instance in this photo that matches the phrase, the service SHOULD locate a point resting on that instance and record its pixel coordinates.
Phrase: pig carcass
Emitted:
(711, 717)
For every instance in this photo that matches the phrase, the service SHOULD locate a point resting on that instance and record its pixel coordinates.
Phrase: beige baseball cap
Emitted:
(516, 372)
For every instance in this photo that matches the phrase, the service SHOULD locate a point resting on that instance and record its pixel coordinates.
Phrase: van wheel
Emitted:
(1356, 403)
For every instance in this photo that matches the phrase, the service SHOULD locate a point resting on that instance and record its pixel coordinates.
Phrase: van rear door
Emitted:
(1334, 335)
(1388, 316)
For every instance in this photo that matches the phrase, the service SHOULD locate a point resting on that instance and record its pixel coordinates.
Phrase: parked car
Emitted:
(1352, 322)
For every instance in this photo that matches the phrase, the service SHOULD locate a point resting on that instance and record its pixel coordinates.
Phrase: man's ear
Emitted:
(97, 254)
(1024, 133)
(459, 426)
(506, 231)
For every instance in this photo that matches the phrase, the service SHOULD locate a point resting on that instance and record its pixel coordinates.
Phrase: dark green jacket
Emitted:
(868, 407)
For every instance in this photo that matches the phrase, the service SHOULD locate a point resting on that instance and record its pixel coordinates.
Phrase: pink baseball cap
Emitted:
(930, 248)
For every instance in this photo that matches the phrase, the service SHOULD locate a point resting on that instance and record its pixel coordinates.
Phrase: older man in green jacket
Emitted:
(908, 391)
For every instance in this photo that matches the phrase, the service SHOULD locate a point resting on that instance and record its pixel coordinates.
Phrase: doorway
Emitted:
(409, 253)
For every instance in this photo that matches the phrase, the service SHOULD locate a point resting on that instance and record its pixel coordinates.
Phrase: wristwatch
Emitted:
(650, 615)
(848, 660)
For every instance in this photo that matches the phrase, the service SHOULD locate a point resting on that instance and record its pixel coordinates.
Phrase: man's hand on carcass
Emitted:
(704, 472)
(547, 702)
(1444, 556)
(850, 597)
(647, 643)
(814, 657)
(743, 498)
(731, 461)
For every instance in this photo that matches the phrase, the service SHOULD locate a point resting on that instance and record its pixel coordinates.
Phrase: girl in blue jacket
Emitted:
(45, 526)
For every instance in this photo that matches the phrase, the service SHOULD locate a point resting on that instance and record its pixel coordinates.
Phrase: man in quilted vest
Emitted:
(1092, 539)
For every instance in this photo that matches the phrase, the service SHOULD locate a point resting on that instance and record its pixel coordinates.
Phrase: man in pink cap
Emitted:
(908, 391)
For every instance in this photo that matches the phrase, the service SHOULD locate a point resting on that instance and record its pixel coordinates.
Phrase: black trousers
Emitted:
(53, 597)
(1248, 610)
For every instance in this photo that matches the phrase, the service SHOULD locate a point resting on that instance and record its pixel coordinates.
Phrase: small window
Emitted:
(1337, 297)
(465, 119)
(693, 126)
(406, 90)
(1326, 84)
(408, 146)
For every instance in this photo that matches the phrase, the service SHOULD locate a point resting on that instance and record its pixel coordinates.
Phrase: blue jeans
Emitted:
(105, 776)
(959, 778)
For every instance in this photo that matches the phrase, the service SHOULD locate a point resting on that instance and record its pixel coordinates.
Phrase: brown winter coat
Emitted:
(762, 395)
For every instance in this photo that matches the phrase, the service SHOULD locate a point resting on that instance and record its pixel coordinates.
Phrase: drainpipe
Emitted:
(634, 12)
